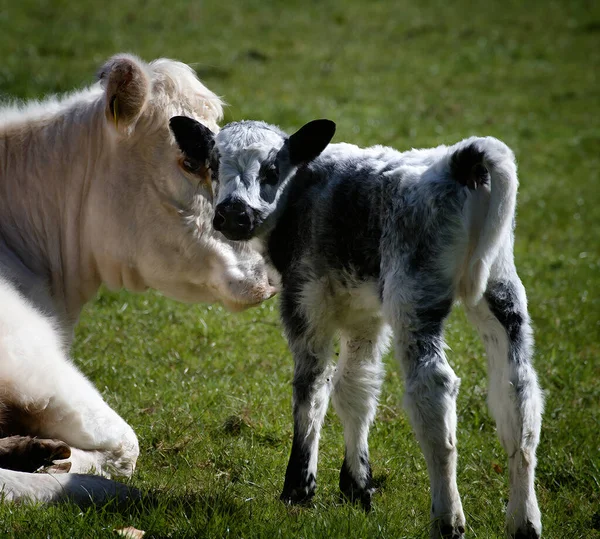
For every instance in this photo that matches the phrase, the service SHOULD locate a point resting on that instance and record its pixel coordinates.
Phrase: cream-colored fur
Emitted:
(92, 192)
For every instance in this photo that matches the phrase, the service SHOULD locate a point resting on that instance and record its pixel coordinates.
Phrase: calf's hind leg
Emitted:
(430, 397)
(514, 397)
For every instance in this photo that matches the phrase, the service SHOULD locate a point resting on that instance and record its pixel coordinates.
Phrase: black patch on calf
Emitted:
(292, 231)
(528, 532)
(300, 482)
(467, 168)
(336, 222)
(502, 300)
(269, 171)
(428, 327)
(304, 379)
(292, 319)
(431, 319)
(349, 226)
(447, 531)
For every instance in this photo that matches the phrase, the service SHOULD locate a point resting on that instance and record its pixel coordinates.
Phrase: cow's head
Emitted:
(151, 216)
(254, 161)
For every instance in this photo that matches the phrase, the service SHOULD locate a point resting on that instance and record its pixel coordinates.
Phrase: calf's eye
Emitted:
(271, 176)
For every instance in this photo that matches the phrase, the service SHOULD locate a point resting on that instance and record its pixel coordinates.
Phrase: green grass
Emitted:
(209, 392)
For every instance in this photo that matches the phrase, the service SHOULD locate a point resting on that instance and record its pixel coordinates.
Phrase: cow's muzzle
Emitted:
(235, 220)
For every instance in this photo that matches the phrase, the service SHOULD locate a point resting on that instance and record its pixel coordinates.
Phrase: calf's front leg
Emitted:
(311, 389)
(356, 388)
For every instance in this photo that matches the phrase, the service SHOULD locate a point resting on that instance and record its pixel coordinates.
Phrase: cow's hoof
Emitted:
(27, 454)
(56, 468)
(49, 450)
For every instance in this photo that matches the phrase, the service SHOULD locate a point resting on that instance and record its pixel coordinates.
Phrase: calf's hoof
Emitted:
(523, 520)
(362, 496)
(297, 495)
(440, 530)
(526, 532)
(352, 490)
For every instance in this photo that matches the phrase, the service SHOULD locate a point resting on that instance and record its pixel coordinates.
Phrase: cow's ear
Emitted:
(127, 88)
(310, 140)
(194, 139)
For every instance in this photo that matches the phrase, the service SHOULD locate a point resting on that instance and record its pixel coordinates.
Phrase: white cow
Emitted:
(95, 187)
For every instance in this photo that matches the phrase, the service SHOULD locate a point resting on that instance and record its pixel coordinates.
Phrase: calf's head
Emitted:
(150, 219)
(252, 162)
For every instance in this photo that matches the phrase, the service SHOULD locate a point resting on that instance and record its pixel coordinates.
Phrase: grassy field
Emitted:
(208, 392)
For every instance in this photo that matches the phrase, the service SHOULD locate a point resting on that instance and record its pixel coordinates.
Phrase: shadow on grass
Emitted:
(161, 513)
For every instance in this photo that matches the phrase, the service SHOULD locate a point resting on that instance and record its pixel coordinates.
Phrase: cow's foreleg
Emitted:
(45, 395)
(101, 441)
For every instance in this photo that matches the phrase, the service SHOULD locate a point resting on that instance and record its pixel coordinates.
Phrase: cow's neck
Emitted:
(46, 168)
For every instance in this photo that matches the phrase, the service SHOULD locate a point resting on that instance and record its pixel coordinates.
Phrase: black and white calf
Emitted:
(367, 239)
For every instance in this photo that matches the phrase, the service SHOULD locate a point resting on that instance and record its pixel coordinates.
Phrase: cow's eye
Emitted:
(193, 166)
(271, 176)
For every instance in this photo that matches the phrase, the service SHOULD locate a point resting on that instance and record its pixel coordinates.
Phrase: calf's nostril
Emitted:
(242, 219)
(219, 220)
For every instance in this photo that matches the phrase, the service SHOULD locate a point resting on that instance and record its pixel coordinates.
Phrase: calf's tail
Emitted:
(488, 168)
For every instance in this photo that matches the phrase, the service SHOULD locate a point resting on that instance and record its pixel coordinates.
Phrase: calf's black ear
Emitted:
(310, 140)
(193, 138)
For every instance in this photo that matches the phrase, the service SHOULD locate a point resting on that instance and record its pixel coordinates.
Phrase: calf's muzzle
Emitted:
(234, 219)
